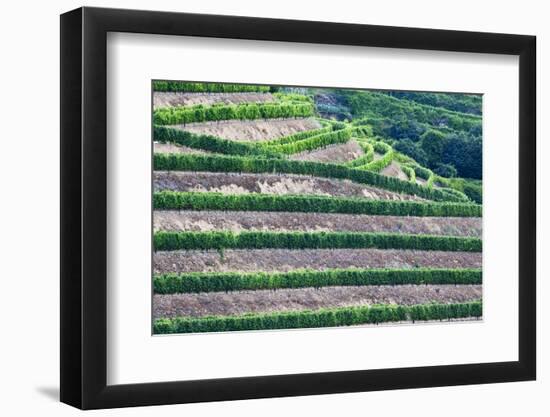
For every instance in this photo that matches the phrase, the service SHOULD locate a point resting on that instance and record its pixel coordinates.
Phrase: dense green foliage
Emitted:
(463, 103)
(194, 282)
(407, 121)
(378, 165)
(298, 136)
(343, 316)
(432, 143)
(367, 157)
(293, 97)
(411, 149)
(172, 200)
(465, 153)
(167, 241)
(208, 87)
(422, 172)
(409, 172)
(222, 163)
(230, 147)
(445, 170)
(472, 188)
(210, 143)
(217, 112)
(314, 142)
(338, 111)
(371, 102)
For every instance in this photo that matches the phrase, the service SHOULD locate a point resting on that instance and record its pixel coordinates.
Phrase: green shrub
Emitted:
(167, 241)
(216, 112)
(451, 192)
(195, 282)
(297, 136)
(441, 181)
(293, 97)
(471, 187)
(367, 157)
(314, 142)
(410, 173)
(379, 164)
(464, 103)
(363, 103)
(474, 192)
(172, 200)
(422, 172)
(210, 143)
(403, 159)
(445, 170)
(222, 163)
(364, 131)
(189, 87)
(343, 316)
(382, 147)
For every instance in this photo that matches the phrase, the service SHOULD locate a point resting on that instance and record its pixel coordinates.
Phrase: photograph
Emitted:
(290, 207)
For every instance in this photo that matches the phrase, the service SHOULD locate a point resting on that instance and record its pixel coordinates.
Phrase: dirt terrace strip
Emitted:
(236, 221)
(264, 301)
(280, 184)
(172, 99)
(272, 260)
(337, 153)
(251, 130)
(172, 148)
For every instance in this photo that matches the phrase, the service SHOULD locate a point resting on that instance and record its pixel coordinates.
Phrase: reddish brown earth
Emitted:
(172, 99)
(235, 183)
(279, 221)
(318, 259)
(252, 130)
(338, 153)
(263, 301)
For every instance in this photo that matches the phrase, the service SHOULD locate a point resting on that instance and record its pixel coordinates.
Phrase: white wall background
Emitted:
(29, 219)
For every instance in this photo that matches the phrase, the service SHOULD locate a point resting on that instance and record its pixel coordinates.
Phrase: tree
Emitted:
(445, 170)
(466, 154)
(433, 143)
(409, 148)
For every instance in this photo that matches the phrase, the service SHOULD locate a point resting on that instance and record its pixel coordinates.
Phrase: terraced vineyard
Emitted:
(270, 213)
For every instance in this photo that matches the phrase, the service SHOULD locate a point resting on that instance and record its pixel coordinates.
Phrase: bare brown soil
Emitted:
(394, 170)
(252, 130)
(335, 154)
(421, 181)
(235, 183)
(263, 301)
(172, 99)
(317, 259)
(172, 148)
(278, 221)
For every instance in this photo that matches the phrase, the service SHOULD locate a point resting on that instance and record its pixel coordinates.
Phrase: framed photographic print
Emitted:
(257, 208)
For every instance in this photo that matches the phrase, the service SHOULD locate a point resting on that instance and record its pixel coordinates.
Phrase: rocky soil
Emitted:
(252, 130)
(236, 221)
(174, 99)
(336, 154)
(317, 259)
(236, 183)
(264, 301)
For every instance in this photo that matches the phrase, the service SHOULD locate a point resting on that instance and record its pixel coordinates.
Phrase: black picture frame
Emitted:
(84, 207)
